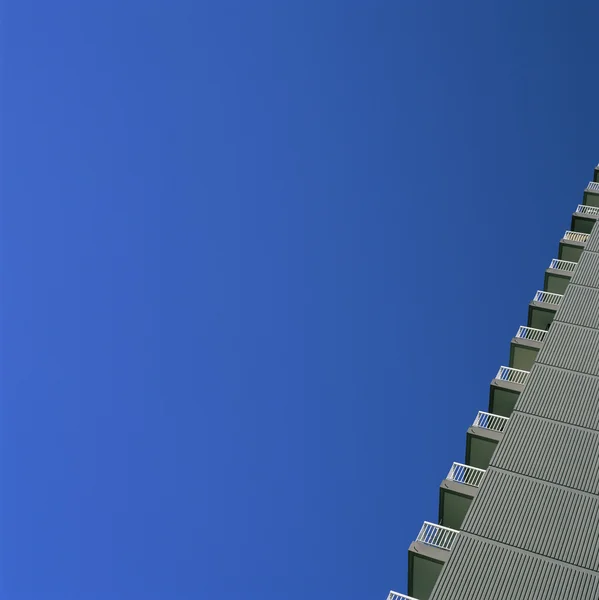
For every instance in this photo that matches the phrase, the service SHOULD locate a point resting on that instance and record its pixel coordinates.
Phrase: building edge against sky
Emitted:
(519, 516)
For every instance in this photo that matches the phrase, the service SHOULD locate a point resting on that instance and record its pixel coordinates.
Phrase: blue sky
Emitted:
(260, 261)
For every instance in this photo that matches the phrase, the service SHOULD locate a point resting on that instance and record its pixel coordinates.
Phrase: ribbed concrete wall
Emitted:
(575, 307)
(551, 452)
(587, 270)
(480, 569)
(540, 517)
(561, 395)
(571, 347)
(532, 532)
(593, 243)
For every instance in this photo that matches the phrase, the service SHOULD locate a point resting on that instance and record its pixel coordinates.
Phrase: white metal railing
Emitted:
(549, 297)
(587, 210)
(530, 333)
(397, 596)
(593, 187)
(562, 265)
(437, 536)
(512, 375)
(486, 420)
(575, 236)
(465, 474)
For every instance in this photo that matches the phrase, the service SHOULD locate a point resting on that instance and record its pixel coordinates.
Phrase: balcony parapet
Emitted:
(512, 375)
(563, 265)
(575, 236)
(465, 474)
(486, 420)
(584, 209)
(547, 297)
(437, 536)
(530, 333)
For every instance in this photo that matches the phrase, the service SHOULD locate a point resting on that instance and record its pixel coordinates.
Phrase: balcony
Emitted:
(397, 596)
(572, 245)
(505, 389)
(482, 438)
(584, 218)
(542, 309)
(426, 557)
(525, 346)
(591, 194)
(596, 174)
(457, 491)
(558, 275)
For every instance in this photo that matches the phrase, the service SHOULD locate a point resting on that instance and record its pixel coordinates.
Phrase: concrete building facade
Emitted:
(519, 518)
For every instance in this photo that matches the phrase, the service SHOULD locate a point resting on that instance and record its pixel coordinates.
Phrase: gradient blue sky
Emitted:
(260, 261)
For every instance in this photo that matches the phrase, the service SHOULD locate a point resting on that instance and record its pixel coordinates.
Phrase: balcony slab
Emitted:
(480, 445)
(523, 353)
(556, 280)
(424, 565)
(540, 314)
(583, 223)
(454, 501)
(570, 250)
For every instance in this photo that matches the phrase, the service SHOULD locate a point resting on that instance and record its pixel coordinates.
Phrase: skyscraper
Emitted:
(519, 518)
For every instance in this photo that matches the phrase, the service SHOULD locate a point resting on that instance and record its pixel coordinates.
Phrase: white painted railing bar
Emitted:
(592, 187)
(465, 474)
(512, 375)
(548, 297)
(587, 210)
(489, 421)
(562, 265)
(530, 333)
(575, 236)
(437, 535)
(397, 596)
